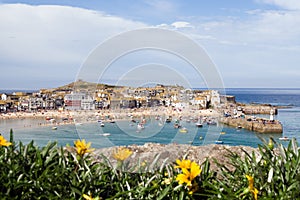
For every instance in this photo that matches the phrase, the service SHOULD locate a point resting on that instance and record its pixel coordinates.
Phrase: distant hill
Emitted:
(80, 84)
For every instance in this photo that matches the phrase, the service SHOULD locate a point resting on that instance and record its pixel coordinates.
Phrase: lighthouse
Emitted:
(271, 114)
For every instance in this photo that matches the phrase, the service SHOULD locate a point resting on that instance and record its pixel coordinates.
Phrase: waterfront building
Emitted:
(3, 97)
(79, 101)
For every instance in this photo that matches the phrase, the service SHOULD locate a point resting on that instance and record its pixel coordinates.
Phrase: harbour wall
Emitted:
(259, 125)
(252, 109)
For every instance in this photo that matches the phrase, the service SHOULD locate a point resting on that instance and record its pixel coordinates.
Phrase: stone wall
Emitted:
(258, 125)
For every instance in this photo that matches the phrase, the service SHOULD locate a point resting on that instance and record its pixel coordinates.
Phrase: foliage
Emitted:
(275, 173)
(52, 172)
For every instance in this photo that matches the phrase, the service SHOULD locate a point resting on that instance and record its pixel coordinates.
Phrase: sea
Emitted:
(124, 132)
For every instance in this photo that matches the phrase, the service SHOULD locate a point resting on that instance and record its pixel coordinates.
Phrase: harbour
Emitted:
(124, 132)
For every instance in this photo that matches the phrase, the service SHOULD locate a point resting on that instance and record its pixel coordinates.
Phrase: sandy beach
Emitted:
(109, 114)
(55, 118)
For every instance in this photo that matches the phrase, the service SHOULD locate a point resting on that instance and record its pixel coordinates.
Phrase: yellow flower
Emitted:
(183, 178)
(166, 181)
(3, 141)
(82, 148)
(86, 197)
(189, 174)
(251, 186)
(183, 164)
(122, 153)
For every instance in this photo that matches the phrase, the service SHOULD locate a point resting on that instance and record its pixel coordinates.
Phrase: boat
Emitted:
(54, 128)
(222, 133)
(200, 138)
(105, 134)
(168, 120)
(219, 142)
(140, 126)
(284, 138)
(177, 124)
(239, 127)
(211, 122)
(101, 124)
(65, 119)
(48, 118)
(183, 130)
(199, 125)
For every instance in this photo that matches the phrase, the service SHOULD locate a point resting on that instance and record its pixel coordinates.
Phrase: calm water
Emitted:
(125, 133)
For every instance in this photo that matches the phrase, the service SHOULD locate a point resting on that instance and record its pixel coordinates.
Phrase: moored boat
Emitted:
(105, 134)
(199, 125)
(183, 130)
(284, 138)
(219, 142)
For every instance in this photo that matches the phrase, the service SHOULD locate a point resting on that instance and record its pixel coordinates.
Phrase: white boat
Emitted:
(54, 128)
(140, 126)
(211, 122)
(102, 124)
(199, 125)
(105, 134)
(219, 142)
(284, 138)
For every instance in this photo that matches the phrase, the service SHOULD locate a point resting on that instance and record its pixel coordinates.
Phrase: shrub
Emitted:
(52, 172)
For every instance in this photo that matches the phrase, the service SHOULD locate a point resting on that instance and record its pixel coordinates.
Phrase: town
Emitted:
(82, 95)
(174, 100)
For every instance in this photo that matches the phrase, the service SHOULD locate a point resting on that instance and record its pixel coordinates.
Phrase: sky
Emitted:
(253, 43)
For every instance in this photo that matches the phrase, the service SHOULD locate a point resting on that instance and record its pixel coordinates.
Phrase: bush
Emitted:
(52, 172)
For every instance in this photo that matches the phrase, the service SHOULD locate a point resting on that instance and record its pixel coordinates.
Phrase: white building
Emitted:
(79, 101)
(3, 97)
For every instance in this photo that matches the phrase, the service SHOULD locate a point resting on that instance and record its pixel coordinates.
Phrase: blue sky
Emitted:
(253, 43)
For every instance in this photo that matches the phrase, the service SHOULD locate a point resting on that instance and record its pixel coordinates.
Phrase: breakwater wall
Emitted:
(252, 109)
(259, 125)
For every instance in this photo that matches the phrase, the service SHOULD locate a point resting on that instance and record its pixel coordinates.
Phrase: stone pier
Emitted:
(254, 124)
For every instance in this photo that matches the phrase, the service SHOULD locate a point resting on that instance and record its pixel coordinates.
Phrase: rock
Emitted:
(168, 153)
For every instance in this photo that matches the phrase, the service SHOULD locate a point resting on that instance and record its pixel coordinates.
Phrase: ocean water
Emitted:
(127, 133)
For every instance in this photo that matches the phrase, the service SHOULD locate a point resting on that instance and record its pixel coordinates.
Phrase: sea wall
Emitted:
(259, 125)
(252, 109)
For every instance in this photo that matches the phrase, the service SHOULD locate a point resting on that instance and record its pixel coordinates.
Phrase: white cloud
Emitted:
(181, 24)
(56, 39)
(263, 43)
(286, 4)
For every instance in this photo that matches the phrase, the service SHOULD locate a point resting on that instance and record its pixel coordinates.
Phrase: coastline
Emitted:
(226, 116)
